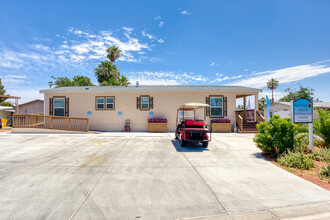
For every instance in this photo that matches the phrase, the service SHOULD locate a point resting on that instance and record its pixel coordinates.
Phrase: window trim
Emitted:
(216, 96)
(144, 109)
(59, 97)
(105, 103)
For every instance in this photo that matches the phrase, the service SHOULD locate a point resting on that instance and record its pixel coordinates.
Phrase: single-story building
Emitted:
(5, 112)
(109, 106)
(32, 107)
(283, 109)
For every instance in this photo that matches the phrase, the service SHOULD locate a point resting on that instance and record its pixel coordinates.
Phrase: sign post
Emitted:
(303, 113)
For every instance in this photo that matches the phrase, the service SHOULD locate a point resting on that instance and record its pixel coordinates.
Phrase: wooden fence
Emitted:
(50, 122)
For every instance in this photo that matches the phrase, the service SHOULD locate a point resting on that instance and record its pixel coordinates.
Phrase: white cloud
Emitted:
(164, 78)
(214, 64)
(220, 79)
(128, 29)
(13, 79)
(185, 12)
(286, 75)
(161, 23)
(26, 94)
(277, 95)
(152, 37)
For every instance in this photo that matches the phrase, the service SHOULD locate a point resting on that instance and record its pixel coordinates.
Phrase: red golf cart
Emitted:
(190, 129)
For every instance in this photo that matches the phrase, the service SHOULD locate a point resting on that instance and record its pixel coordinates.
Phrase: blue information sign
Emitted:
(303, 111)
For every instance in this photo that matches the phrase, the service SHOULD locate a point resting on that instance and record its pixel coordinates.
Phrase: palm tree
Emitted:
(123, 81)
(272, 84)
(119, 81)
(106, 71)
(113, 53)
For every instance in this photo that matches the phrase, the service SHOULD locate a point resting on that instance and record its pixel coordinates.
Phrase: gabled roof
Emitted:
(156, 88)
(33, 101)
(315, 104)
(4, 108)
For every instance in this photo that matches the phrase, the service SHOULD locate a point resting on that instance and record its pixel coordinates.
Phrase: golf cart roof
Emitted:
(193, 105)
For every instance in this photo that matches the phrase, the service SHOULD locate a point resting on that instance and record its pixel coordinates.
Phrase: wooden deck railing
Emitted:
(260, 117)
(249, 114)
(50, 122)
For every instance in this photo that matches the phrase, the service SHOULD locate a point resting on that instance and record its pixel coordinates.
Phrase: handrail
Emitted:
(50, 122)
(239, 121)
(260, 117)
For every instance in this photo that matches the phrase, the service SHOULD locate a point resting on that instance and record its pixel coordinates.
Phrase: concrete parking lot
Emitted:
(146, 176)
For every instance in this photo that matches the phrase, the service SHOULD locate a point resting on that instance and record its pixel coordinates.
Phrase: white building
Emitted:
(284, 111)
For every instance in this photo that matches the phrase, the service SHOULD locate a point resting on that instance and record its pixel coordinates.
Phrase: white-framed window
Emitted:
(145, 104)
(99, 102)
(59, 106)
(110, 104)
(216, 109)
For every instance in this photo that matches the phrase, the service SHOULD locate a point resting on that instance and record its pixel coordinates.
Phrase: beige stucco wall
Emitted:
(31, 108)
(165, 106)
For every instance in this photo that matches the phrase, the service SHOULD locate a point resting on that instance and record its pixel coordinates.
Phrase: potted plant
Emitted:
(157, 125)
(221, 125)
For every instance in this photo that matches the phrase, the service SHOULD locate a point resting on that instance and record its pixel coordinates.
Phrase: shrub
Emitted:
(322, 126)
(324, 173)
(296, 160)
(157, 120)
(222, 120)
(321, 155)
(276, 136)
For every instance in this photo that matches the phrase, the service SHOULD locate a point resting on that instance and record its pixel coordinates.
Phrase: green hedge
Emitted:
(276, 136)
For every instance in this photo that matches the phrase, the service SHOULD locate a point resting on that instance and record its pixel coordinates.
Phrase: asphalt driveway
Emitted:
(141, 176)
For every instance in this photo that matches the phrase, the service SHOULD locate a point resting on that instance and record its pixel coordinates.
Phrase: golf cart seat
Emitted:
(192, 123)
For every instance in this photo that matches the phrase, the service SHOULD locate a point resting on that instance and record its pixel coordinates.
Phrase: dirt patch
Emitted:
(309, 175)
(5, 130)
(100, 142)
(95, 160)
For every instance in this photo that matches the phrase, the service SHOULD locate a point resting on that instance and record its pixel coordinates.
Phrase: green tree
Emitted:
(67, 82)
(303, 92)
(120, 81)
(2, 92)
(113, 53)
(262, 103)
(321, 126)
(106, 71)
(272, 84)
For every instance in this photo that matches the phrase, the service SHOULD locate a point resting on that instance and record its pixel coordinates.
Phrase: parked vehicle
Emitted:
(188, 128)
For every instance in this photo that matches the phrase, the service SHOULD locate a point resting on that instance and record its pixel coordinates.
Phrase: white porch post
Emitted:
(244, 109)
(256, 106)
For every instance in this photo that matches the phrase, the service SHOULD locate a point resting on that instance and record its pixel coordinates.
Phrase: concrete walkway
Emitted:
(146, 176)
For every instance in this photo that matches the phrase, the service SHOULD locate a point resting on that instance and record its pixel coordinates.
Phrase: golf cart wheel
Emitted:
(205, 144)
(183, 143)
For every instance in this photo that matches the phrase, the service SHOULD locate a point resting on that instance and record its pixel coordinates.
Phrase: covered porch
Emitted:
(247, 112)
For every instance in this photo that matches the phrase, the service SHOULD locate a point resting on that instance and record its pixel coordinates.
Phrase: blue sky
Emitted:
(168, 42)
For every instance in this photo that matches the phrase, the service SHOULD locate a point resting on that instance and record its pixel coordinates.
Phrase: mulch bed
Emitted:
(5, 130)
(309, 175)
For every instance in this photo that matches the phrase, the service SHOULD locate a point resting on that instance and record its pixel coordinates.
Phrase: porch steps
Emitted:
(249, 127)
